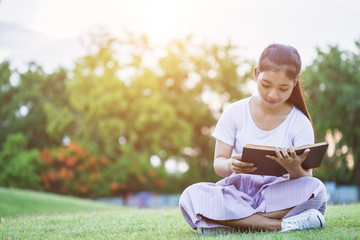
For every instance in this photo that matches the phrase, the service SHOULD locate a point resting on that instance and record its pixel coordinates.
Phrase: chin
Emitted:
(271, 104)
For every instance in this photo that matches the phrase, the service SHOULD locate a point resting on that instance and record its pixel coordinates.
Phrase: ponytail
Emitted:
(297, 99)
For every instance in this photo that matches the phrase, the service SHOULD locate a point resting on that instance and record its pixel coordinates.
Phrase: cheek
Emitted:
(287, 94)
(260, 88)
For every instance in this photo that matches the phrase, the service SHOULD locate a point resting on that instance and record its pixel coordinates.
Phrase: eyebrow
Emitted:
(269, 82)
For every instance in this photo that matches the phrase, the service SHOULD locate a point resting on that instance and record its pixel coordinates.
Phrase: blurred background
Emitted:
(117, 100)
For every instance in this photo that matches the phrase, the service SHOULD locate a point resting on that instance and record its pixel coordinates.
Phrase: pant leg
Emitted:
(301, 194)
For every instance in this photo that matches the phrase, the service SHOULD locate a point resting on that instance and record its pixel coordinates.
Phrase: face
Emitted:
(274, 88)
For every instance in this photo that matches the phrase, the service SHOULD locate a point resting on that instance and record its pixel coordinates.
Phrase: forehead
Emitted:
(278, 77)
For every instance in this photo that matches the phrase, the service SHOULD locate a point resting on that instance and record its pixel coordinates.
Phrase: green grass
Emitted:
(20, 202)
(70, 218)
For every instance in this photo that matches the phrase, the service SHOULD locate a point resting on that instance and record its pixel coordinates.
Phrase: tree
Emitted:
(22, 97)
(121, 107)
(333, 82)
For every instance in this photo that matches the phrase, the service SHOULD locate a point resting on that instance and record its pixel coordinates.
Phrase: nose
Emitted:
(273, 94)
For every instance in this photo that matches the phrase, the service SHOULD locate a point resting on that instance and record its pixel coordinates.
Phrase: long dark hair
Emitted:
(278, 57)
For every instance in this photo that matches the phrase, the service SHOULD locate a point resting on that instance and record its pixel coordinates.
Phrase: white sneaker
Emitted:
(309, 219)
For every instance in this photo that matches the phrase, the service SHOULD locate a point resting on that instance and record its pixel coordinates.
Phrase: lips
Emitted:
(271, 102)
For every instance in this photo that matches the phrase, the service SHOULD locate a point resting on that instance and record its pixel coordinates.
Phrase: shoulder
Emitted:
(303, 132)
(299, 117)
(238, 105)
(235, 112)
(301, 124)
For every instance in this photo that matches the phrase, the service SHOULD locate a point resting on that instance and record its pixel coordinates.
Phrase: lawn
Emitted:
(32, 215)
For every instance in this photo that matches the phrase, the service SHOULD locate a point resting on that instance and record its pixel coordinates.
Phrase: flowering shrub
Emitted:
(72, 170)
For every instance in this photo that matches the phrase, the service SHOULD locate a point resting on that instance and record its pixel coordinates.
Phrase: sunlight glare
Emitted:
(61, 19)
(155, 161)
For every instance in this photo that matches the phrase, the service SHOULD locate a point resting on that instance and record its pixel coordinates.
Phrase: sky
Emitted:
(49, 32)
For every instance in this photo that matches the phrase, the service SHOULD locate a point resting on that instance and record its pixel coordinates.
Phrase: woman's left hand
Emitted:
(288, 158)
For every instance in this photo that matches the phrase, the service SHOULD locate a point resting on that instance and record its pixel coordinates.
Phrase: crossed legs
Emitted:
(259, 221)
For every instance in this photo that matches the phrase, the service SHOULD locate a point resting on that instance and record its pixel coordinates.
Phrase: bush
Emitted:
(73, 170)
(18, 165)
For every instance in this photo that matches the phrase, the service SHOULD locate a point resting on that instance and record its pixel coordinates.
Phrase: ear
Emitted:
(256, 72)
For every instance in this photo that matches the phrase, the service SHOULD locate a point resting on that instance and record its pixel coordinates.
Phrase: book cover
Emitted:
(266, 166)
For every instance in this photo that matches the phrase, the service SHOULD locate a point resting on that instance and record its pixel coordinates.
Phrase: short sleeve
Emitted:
(225, 129)
(304, 133)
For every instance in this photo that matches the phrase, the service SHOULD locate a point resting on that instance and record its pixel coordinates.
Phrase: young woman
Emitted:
(277, 116)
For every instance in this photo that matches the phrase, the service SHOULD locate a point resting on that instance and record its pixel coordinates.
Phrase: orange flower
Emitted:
(92, 161)
(104, 161)
(70, 161)
(81, 167)
(51, 175)
(114, 186)
(73, 146)
(46, 155)
(61, 157)
(159, 182)
(63, 173)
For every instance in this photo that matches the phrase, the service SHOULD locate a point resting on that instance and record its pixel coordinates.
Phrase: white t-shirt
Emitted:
(237, 128)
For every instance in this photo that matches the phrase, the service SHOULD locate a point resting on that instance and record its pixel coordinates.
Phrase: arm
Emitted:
(222, 159)
(225, 165)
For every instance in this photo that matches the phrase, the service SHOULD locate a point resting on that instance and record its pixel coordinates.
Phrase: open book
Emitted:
(266, 166)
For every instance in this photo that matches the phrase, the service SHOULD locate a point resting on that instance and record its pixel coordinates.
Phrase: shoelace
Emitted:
(300, 222)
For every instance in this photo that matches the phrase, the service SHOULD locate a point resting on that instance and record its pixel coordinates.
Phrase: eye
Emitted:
(265, 85)
(284, 89)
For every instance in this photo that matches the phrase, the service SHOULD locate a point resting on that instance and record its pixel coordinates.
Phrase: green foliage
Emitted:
(333, 83)
(116, 103)
(129, 111)
(19, 166)
(22, 97)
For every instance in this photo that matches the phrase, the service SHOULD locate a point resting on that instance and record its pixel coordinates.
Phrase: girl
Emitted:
(277, 116)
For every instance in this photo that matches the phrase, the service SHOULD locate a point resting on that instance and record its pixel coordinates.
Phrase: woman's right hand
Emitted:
(237, 166)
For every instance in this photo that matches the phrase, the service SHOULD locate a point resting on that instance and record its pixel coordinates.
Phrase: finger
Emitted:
(276, 159)
(243, 166)
(238, 163)
(237, 156)
(278, 154)
(250, 169)
(244, 170)
(292, 152)
(304, 154)
(285, 154)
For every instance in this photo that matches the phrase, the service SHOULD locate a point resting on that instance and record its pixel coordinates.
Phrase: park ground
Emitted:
(34, 215)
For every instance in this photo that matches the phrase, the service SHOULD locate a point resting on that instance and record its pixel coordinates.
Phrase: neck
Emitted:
(284, 108)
